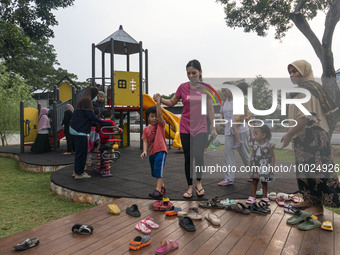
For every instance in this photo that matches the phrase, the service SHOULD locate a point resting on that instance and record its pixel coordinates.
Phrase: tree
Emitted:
(259, 15)
(12, 90)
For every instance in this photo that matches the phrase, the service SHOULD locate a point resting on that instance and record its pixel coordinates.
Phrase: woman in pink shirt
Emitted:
(193, 126)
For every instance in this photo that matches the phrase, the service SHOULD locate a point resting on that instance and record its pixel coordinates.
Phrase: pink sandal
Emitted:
(251, 200)
(166, 247)
(142, 227)
(281, 201)
(150, 223)
(296, 199)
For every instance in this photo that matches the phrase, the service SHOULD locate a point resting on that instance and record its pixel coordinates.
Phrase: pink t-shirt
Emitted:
(155, 136)
(192, 121)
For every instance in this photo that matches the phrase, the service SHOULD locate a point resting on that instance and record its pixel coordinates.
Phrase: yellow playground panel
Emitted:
(65, 90)
(30, 124)
(127, 88)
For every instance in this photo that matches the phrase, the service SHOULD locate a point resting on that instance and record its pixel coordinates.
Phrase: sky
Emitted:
(175, 32)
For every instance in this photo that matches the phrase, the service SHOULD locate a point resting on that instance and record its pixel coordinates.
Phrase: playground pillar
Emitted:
(93, 64)
(146, 71)
(73, 96)
(112, 78)
(22, 129)
(141, 93)
(103, 72)
(54, 128)
(127, 62)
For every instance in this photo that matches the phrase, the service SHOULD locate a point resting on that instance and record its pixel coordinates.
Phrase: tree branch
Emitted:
(305, 29)
(332, 18)
(299, 6)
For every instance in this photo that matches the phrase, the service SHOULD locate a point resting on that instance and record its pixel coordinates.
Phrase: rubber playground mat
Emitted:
(132, 177)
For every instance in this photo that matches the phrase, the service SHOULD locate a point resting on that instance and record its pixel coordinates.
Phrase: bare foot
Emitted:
(304, 204)
(316, 209)
(67, 153)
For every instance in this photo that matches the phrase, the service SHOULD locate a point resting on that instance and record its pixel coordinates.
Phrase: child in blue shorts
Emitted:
(154, 139)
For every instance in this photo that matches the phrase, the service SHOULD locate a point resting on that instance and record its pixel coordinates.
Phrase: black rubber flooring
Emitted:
(132, 178)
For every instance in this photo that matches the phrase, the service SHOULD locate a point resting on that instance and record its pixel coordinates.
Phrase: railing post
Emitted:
(22, 128)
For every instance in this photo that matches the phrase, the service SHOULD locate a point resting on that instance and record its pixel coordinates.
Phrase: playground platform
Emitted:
(132, 178)
(238, 234)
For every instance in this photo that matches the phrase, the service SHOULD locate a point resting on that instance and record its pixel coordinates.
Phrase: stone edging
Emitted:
(31, 167)
(81, 197)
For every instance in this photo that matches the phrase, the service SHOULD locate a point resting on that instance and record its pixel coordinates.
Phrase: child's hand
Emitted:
(144, 154)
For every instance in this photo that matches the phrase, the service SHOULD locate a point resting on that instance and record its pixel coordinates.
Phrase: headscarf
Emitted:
(43, 119)
(85, 102)
(329, 108)
(69, 107)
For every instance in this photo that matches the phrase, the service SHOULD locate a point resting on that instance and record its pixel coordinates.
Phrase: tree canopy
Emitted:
(25, 30)
(260, 15)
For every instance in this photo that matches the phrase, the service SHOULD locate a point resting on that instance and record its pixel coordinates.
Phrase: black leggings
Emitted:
(193, 147)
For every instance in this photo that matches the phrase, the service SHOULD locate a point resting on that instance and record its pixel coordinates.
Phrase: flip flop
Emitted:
(281, 201)
(239, 208)
(27, 244)
(166, 247)
(290, 210)
(298, 217)
(309, 224)
(82, 229)
(192, 214)
(213, 219)
(142, 227)
(327, 225)
(296, 199)
(151, 223)
(83, 176)
(189, 195)
(114, 209)
(285, 196)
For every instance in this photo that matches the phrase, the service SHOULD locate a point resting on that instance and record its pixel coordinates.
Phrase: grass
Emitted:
(27, 201)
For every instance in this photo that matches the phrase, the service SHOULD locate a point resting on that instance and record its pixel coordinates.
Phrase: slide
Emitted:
(169, 118)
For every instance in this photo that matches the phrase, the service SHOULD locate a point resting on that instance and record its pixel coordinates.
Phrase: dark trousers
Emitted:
(193, 147)
(81, 153)
(70, 143)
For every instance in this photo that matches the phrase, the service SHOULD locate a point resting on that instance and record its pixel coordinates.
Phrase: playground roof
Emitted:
(123, 43)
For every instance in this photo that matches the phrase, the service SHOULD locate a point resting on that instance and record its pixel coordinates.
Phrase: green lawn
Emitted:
(26, 199)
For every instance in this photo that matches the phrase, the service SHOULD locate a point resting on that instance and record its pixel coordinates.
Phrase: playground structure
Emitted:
(124, 94)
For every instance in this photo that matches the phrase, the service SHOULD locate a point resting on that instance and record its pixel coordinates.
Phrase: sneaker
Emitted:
(156, 195)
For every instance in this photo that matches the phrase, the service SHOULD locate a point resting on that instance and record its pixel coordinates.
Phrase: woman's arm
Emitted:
(301, 123)
(90, 114)
(168, 102)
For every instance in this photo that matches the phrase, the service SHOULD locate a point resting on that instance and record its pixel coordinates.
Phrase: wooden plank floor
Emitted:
(238, 234)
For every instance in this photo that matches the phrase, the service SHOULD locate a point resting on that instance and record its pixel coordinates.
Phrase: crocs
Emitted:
(114, 209)
(309, 224)
(139, 242)
(251, 200)
(82, 229)
(298, 217)
(133, 210)
(327, 225)
(172, 211)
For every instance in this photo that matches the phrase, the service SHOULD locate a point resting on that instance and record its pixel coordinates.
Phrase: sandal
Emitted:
(213, 219)
(27, 244)
(264, 205)
(142, 227)
(212, 203)
(192, 213)
(225, 183)
(188, 196)
(139, 242)
(239, 208)
(251, 200)
(227, 201)
(281, 201)
(254, 208)
(199, 191)
(82, 229)
(150, 223)
(327, 225)
(266, 200)
(283, 195)
(83, 176)
(166, 247)
(272, 196)
(296, 199)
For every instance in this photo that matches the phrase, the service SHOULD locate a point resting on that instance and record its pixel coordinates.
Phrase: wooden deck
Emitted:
(238, 234)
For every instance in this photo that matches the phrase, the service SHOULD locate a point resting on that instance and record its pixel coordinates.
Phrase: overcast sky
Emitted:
(175, 32)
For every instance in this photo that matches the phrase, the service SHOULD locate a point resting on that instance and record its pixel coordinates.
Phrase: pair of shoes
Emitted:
(187, 224)
(239, 208)
(309, 224)
(212, 203)
(83, 176)
(213, 219)
(173, 211)
(166, 247)
(225, 183)
(133, 210)
(261, 208)
(27, 244)
(114, 209)
(192, 213)
(237, 145)
(82, 229)
(144, 225)
(251, 200)
(187, 195)
(156, 194)
(298, 217)
(198, 192)
(139, 242)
